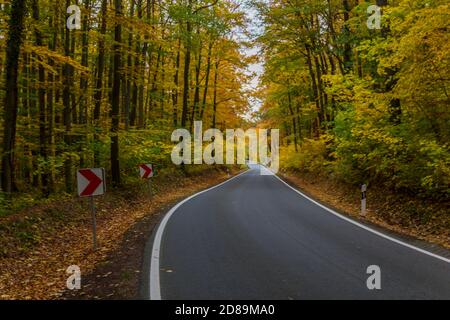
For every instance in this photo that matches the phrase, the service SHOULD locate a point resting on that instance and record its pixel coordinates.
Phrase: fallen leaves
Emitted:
(37, 270)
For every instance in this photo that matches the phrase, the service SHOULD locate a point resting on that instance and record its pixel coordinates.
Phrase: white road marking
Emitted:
(365, 227)
(155, 286)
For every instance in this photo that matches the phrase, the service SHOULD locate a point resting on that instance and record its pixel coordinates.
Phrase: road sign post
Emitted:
(91, 183)
(363, 199)
(150, 187)
(146, 172)
(94, 223)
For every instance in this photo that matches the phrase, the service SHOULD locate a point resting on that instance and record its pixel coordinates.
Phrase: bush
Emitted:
(311, 157)
(395, 156)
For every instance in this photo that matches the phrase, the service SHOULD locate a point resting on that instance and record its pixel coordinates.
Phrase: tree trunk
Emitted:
(42, 106)
(187, 64)
(347, 47)
(175, 89)
(115, 102)
(98, 95)
(15, 34)
(197, 83)
(314, 86)
(294, 121)
(67, 112)
(216, 78)
(208, 71)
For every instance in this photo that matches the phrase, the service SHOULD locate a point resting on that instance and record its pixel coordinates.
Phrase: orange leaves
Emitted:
(43, 54)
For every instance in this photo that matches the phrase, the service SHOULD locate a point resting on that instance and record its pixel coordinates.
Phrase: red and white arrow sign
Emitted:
(146, 171)
(91, 182)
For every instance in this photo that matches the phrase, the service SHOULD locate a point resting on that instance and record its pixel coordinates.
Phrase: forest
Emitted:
(356, 103)
(110, 91)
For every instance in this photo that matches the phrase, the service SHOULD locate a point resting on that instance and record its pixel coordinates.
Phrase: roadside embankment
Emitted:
(39, 243)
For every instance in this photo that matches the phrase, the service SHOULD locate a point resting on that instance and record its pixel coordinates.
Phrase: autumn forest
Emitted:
(357, 102)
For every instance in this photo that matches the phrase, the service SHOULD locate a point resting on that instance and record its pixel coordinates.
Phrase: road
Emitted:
(254, 237)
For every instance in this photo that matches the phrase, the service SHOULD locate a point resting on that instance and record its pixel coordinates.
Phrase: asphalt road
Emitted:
(255, 238)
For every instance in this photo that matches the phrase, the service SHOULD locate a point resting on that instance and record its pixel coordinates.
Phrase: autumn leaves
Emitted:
(86, 82)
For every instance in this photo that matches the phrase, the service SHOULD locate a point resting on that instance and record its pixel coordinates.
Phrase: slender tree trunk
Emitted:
(294, 121)
(187, 65)
(50, 106)
(98, 95)
(216, 79)
(115, 102)
(67, 112)
(208, 71)
(314, 86)
(84, 62)
(163, 92)
(154, 90)
(42, 105)
(300, 133)
(197, 83)
(15, 34)
(320, 90)
(347, 46)
(73, 98)
(138, 81)
(175, 89)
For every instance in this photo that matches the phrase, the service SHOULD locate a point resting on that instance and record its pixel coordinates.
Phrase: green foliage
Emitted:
(311, 156)
(9, 205)
(145, 146)
(384, 120)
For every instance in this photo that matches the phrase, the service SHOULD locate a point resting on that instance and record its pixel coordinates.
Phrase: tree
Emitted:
(15, 36)
(76, 94)
(115, 101)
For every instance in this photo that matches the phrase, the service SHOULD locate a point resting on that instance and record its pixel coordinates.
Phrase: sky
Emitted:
(254, 25)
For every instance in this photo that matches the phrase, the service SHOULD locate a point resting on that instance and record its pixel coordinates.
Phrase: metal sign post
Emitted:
(150, 187)
(363, 199)
(94, 223)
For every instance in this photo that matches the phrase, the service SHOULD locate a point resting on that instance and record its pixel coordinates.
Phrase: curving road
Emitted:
(254, 237)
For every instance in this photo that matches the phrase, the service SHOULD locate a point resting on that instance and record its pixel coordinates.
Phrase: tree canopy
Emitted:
(362, 104)
(110, 92)
(353, 101)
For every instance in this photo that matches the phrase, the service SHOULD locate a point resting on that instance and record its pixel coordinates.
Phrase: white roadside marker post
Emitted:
(363, 199)
(91, 183)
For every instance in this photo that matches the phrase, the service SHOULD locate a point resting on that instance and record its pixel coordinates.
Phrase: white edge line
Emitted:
(365, 227)
(155, 286)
